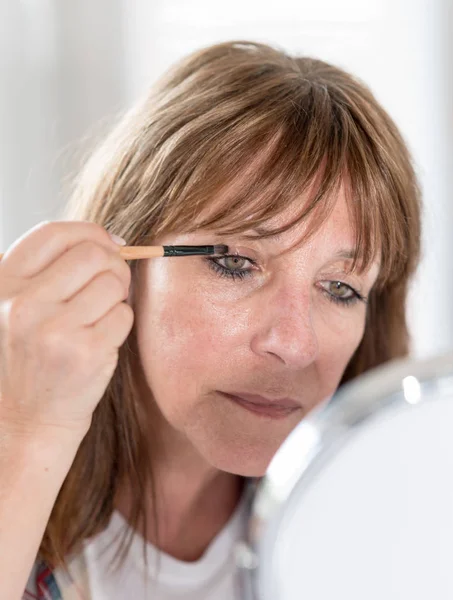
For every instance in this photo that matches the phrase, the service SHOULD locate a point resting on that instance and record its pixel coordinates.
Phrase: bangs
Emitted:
(266, 158)
(233, 138)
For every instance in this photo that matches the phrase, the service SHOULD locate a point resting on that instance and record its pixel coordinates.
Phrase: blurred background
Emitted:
(68, 68)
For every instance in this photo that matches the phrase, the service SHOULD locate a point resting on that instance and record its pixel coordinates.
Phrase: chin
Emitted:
(248, 469)
(236, 443)
(246, 463)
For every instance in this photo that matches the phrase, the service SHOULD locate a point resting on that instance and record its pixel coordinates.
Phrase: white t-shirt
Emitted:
(212, 577)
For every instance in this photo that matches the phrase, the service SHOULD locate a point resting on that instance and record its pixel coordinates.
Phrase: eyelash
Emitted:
(222, 271)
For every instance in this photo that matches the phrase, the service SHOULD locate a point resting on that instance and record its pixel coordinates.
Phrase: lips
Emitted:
(278, 407)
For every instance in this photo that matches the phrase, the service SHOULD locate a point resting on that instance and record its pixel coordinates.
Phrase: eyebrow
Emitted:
(263, 232)
(344, 253)
(347, 254)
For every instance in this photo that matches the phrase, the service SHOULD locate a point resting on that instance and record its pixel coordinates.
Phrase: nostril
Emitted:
(277, 357)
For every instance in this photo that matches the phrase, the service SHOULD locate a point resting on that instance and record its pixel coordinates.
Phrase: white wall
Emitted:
(61, 72)
(64, 66)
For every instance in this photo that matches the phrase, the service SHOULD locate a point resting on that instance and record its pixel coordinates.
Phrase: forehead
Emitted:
(337, 226)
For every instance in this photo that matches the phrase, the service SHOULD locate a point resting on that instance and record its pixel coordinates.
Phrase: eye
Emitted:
(342, 293)
(232, 265)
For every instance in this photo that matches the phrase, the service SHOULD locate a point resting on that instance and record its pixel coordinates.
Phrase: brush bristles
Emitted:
(194, 250)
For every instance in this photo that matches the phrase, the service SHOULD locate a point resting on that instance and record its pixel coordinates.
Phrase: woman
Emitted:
(293, 164)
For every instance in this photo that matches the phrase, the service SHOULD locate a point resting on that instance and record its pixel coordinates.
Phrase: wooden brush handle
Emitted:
(135, 252)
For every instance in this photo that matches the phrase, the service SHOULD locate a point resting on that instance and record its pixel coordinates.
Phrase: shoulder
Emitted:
(47, 584)
(42, 584)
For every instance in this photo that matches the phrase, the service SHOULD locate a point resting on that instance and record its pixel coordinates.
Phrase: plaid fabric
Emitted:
(46, 585)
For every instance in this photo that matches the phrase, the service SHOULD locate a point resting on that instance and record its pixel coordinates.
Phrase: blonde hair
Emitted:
(162, 167)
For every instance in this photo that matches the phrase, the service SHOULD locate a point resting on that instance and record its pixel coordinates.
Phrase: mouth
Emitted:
(275, 409)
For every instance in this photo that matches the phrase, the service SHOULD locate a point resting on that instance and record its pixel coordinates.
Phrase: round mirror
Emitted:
(358, 501)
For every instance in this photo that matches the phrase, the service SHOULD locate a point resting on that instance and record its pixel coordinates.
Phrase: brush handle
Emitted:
(134, 252)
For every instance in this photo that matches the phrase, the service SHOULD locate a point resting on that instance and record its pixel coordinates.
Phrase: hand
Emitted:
(63, 318)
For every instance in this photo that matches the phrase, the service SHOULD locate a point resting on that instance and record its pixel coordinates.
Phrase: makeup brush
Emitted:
(136, 252)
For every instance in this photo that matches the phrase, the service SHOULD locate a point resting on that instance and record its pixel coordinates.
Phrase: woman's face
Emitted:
(268, 323)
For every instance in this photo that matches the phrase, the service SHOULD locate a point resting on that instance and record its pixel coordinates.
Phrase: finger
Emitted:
(45, 242)
(113, 329)
(96, 299)
(78, 266)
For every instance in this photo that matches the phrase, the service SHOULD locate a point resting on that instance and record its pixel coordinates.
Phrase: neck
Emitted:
(192, 501)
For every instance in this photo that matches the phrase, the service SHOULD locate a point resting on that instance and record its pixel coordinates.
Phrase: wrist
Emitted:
(36, 427)
(43, 444)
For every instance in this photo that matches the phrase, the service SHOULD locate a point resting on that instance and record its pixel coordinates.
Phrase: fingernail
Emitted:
(117, 239)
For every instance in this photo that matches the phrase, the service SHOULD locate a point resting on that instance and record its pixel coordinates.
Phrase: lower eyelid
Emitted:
(348, 285)
(349, 300)
(251, 267)
(222, 271)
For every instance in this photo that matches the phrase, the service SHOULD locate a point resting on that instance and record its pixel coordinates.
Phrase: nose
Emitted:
(286, 331)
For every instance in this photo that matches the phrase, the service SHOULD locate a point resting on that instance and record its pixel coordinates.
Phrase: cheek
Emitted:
(185, 339)
(190, 331)
(337, 346)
